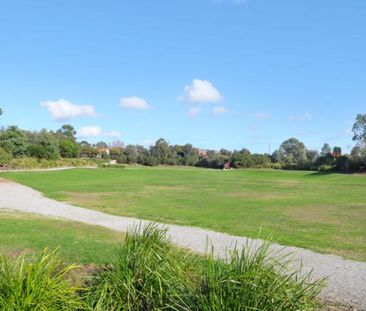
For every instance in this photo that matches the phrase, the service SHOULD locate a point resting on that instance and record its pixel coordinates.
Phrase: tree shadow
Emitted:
(320, 174)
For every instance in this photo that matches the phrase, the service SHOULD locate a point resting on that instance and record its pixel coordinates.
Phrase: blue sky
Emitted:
(216, 73)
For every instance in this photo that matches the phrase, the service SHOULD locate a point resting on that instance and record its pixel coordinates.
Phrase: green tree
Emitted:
(161, 152)
(277, 156)
(44, 145)
(337, 152)
(130, 154)
(356, 152)
(87, 151)
(84, 143)
(326, 149)
(69, 149)
(115, 153)
(242, 159)
(143, 154)
(312, 155)
(188, 153)
(359, 130)
(101, 145)
(14, 141)
(67, 131)
(294, 151)
(260, 160)
(5, 157)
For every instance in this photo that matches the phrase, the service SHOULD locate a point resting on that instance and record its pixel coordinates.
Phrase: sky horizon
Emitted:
(215, 73)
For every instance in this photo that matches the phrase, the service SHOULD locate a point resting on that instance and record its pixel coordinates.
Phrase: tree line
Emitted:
(291, 154)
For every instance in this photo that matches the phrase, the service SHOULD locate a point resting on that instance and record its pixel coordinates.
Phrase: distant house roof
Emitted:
(227, 165)
(202, 152)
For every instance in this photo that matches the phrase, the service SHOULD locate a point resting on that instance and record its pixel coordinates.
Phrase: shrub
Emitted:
(326, 168)
(37, 151)
(5, 157)
(108, 165)
(69, 149)
(148, 275)
(252, 281)
(33, 163)
(38, 283)
(276, 166)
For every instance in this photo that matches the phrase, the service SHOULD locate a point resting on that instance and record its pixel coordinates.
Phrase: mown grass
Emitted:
(323, 212)
(83, 244)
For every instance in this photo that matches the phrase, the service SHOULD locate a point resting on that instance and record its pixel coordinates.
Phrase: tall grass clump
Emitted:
(37, 283)
(149, 274)
(252, 280)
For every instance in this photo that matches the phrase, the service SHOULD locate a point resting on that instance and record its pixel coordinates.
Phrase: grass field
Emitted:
(79, 243)
(323, 212)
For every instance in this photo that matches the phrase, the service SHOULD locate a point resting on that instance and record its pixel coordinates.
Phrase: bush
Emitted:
(38, 151)
(5, 157)
(150, 274)
(33, 163)
(276, 166)
(38, 283)
(69, 149)
(251, 281)
(326, 168)
(147, 275)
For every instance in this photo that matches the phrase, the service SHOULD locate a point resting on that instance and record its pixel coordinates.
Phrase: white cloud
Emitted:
(134, 102)
(219, 110)
(113, 134)
(62, 110)
(260, 116)
(300, 117)
(202, 91)
(193, 112)
(89, 131)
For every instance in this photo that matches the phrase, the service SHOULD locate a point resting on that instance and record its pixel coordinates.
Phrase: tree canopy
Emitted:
(359, 130)
(291, 154)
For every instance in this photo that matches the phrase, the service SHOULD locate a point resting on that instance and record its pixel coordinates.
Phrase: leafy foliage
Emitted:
(291, 154)
(5, 157)
(14, 141)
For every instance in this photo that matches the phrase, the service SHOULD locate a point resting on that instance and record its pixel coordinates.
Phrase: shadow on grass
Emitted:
(320, 174)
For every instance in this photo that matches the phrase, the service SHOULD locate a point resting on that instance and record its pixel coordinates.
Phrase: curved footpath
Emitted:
(346, 278)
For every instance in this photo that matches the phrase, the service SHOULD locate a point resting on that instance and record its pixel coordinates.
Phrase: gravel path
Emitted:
(50, 169)
(346, 278)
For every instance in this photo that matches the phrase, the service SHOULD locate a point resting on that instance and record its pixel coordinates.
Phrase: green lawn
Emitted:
(77, 242)
(323, 212)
